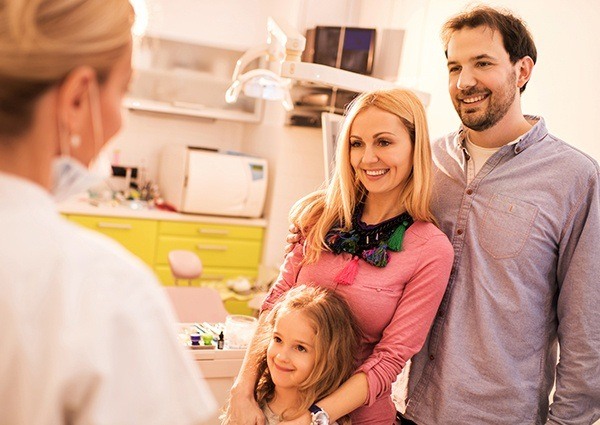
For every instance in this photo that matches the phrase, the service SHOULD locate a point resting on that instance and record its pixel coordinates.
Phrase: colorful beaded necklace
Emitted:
(368, 242)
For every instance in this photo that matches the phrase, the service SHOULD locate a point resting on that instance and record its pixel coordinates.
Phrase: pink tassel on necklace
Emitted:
(347, 275)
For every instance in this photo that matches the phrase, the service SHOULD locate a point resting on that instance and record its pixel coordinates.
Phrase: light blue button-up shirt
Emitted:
(526, 277)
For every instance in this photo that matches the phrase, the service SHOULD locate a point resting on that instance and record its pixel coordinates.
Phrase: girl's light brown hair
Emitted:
(318, 212)
(41, 41)
(336, 343)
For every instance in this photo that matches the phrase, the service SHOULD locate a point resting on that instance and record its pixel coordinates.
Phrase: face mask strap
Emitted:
(63, 140)
(96, 116)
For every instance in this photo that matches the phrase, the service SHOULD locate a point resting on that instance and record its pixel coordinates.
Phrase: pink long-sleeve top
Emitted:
(394, 306)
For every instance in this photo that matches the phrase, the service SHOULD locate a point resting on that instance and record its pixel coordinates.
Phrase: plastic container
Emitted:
(239, 331)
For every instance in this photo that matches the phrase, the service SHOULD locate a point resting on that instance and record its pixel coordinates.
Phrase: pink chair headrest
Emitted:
(185, 264)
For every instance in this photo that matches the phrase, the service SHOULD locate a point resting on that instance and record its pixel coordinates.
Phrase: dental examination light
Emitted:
(283, 52)
(283, 41)
(261, 84)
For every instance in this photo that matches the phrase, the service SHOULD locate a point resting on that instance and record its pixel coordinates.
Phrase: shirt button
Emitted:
(431, 357)
(469, 191)
(459, 232)
(378, 289)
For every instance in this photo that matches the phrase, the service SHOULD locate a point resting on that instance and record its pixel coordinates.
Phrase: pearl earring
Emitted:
(75, 140)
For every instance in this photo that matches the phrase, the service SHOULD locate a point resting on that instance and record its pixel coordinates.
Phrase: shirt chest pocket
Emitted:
(506, 226)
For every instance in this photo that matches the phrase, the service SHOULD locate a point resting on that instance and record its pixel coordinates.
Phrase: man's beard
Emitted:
(498, 105)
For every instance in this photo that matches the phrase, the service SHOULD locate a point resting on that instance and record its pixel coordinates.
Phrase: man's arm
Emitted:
(577, 396)
(351, 395)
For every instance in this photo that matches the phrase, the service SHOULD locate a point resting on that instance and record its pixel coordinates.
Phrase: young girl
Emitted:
(305, 349)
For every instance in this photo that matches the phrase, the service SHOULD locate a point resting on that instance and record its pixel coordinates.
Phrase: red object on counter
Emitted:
(162, 205)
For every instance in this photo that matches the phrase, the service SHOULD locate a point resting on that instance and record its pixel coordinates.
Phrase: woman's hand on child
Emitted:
(243, 411)
(292, 238)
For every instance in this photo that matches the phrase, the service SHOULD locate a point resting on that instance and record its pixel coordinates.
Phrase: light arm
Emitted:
(334, 77)
(288, 37)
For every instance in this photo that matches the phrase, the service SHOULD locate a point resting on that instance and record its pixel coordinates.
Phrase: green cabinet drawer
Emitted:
(205, 230)
(225, 253)
(138, 236)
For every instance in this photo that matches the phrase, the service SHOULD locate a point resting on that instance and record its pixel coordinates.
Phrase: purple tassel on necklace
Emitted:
(377, 257)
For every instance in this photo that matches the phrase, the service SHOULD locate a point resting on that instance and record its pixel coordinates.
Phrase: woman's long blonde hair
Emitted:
(336, 343)
(317, 213)
(41, 41)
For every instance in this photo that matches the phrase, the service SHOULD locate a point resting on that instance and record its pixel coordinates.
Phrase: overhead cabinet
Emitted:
(185, 60)
(182, 78)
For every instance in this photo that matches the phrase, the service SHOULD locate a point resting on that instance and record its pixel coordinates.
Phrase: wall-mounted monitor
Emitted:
(351, 49)
(331, 127)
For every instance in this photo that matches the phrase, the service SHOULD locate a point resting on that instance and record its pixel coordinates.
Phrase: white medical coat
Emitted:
(87, 335)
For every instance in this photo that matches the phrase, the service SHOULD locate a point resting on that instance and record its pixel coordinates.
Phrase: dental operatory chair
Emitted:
(184, 264)
(193, 304)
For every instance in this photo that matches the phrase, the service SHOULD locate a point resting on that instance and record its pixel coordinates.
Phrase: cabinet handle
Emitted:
(203, 247)
(212, 276)
(123, 226)
(213, 231)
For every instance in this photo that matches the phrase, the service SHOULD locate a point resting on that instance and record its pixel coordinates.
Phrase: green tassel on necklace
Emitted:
(395, 241)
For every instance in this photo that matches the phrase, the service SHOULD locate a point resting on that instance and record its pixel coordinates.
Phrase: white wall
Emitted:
(295, 156)
(564, 89)
(144, 134)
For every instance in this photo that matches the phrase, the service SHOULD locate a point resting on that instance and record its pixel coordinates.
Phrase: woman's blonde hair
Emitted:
(41, 41)
(317, 213)
(336, 343)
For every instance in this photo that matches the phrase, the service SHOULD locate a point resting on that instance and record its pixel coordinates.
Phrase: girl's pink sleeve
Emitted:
(415, 312)
(288, 274)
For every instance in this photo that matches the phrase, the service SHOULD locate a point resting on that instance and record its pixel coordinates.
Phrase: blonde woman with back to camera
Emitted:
(87, 332)
(369, 236)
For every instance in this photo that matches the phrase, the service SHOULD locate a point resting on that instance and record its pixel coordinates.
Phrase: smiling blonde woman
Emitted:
(370, 236)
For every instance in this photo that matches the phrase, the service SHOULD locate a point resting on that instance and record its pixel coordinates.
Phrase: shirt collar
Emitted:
(17, 192)
(537, 132)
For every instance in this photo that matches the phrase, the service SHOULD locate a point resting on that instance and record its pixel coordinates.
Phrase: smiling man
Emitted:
(484, 82)
(522, 209)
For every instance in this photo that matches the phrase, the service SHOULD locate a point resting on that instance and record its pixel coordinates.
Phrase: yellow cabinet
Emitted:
(138, 236)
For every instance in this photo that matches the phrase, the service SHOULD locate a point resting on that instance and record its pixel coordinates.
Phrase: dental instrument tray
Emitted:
(202, 347)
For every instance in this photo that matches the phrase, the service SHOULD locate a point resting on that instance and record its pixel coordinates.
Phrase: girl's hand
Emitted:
(305, 419)
(243, 411)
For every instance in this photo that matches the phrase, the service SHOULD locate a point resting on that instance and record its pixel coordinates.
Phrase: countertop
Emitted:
(82, 206)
